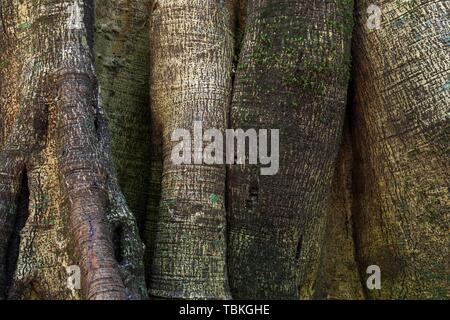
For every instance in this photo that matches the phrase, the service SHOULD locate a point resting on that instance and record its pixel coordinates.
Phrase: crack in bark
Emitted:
(13, 243)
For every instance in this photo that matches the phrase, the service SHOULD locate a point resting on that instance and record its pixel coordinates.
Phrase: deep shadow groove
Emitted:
(356, 179)
(41, 122)
(88, 19)
(253, 194)
(12, 253)
(117, 243)
(96, 126)
(298, 250)
(237, 49)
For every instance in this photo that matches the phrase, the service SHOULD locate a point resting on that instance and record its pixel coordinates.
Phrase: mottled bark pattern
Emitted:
(292, 76)
(402, 147)
(191, 62)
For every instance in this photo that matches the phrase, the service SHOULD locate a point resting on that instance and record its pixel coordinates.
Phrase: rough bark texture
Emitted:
(292, 76)
(191, 62)
(377, 195)
(402, 150)
(123, 66)
(55, 168)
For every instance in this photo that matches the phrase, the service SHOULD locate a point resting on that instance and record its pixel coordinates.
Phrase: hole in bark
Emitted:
(298, 251)
(117, 242)
(253, 192)
(20, 220)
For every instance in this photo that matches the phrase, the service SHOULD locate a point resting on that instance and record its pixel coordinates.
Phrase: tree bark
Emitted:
(122, 63)
(191, 63)
(292, 76)
(339, 274)
(55, 167)
(401, 136)
(375, 195)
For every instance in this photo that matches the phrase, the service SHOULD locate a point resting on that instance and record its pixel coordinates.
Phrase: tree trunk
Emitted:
(375, 195)
(292, 76)
(59, 200)
(191, 63)
(401, 136)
